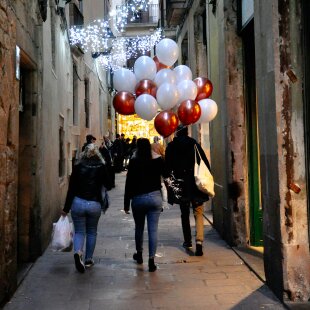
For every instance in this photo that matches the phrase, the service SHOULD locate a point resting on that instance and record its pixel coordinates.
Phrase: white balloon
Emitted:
(167, 96)
(145, 68)
(182, 72)
(187, 90)
(146, 106)
(124, 80)
(167, 52)
(164, 76)
(208, 110)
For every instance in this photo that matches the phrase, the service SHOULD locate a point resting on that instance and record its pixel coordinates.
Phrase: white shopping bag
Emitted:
(62, 237)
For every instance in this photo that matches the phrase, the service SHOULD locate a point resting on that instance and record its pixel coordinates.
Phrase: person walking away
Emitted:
(180, 161)
(126, 153)
(84, 200)
(123, 141)
(143, 190)
(157, 148)
(117, 154)
(89, 139)
(108, 161)
(133, 146)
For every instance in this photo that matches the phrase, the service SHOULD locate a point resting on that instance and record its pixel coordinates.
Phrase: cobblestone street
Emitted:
(218, 280)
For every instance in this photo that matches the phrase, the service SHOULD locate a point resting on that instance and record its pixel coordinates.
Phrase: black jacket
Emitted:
(180, 160)
(142, 177)
(86, 181)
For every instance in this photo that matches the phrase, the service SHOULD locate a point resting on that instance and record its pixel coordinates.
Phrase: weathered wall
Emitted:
(31, 191)
(280, 102)
(228, 128)
(8, 150)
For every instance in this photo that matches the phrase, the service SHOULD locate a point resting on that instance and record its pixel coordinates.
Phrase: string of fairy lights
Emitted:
(111, 51)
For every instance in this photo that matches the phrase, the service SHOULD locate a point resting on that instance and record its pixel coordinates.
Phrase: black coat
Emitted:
(180, 161)
(86, 181)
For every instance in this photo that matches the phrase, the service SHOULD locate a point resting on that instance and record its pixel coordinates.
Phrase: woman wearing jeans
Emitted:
(84, 200)
(143, 189)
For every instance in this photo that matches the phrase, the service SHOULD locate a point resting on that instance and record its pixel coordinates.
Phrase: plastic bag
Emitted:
(62, 237)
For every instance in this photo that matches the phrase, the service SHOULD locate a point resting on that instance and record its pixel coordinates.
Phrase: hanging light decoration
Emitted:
(110, 51)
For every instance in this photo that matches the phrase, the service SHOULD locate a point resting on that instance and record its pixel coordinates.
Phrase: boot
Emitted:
(152, 266)
(138, 257)
(198, 249)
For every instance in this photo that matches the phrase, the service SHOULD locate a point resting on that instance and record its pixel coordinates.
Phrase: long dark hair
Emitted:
(144, 151)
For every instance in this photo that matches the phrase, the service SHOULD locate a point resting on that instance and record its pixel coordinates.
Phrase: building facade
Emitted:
(255, 54)
(52, 95)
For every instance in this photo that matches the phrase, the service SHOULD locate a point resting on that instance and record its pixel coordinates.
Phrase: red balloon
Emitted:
(159, 65)
(189, 111)
(166, 123)
(124, 103)
(146, 87)
(204, 88)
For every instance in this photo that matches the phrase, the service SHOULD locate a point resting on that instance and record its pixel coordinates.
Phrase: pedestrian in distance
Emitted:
(117, 154)
(84, 200)
(157, 148)
(180, 162)
(89, 139)
(143, 190)
(106, 154)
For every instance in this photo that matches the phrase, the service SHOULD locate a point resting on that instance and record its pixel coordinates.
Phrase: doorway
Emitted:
(26, 172)
(255, 206)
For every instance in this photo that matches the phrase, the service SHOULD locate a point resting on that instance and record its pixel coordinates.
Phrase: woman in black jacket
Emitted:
(143, 189)
(84, 199)
(181, 186)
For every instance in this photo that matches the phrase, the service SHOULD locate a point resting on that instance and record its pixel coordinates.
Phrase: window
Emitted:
(86, 101)
(61, 163)
(75, 108)
(53, 34)
(76, 16)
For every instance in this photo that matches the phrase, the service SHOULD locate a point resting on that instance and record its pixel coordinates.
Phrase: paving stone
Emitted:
(218, 280)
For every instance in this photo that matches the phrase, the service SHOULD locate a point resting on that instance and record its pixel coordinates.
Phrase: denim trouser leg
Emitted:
(198, 214)
(185, 219)
(85, 215)
(147, 205)
(152, 227)
(139, 217)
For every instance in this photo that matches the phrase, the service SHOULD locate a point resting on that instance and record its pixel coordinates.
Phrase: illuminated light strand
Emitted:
(97, 37)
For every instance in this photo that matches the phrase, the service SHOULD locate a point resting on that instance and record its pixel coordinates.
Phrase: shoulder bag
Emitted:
(203, 177)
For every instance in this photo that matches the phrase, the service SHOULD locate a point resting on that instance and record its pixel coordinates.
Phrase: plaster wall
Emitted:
(227, 130)
(279, 59)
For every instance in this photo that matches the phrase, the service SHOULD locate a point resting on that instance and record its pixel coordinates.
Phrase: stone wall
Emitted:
(8, 150)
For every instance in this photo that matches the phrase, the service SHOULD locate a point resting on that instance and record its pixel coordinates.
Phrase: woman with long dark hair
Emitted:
(143, 190)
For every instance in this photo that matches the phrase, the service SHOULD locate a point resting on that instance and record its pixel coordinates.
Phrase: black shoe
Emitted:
(152, 266)
(138, 258)
(89, 263)
(79, 265)
(198, 250)
(187, 245)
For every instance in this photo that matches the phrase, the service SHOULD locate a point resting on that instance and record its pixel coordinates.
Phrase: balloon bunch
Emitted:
(154, 85)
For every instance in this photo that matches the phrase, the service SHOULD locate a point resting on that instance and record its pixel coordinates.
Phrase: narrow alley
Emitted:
(218, 280)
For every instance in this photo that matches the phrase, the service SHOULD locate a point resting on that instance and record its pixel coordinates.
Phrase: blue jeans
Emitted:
(147, 206)
(85, 215)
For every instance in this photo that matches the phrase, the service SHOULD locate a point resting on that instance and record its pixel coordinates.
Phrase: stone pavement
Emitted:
(218, 280)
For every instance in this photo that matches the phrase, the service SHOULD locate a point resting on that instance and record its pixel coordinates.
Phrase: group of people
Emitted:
(147, 167)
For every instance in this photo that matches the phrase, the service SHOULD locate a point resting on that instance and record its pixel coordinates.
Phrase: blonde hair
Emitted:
(91, 150)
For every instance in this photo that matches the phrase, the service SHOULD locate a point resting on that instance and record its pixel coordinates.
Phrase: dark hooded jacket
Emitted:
(86, 181)
(180, 161)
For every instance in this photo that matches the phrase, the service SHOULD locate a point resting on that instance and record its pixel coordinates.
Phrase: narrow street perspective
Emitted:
(209, 99)
(217, 280)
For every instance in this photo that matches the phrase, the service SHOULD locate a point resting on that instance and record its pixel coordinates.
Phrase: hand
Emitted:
(63, 213)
